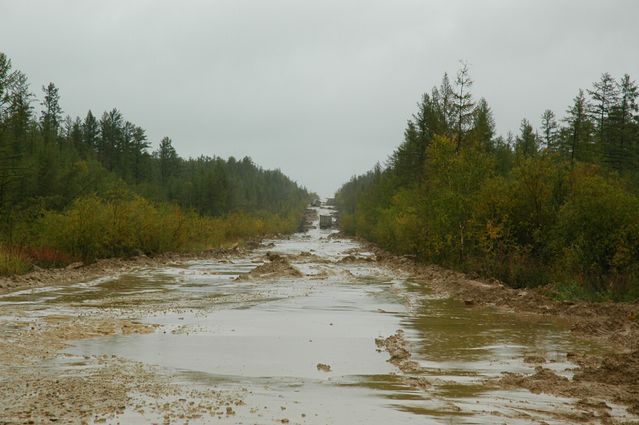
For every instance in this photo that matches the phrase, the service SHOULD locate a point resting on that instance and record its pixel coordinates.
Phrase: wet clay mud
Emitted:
(314, 328)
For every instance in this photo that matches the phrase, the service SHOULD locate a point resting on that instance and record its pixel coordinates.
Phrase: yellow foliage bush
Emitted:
(97, 228)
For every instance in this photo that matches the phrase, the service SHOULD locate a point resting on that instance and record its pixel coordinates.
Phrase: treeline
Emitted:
(52, 166)
(556, 205)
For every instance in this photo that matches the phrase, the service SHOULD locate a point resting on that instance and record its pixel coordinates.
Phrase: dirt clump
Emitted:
(618, 371)
(352, 259)
(276, 266)
(397, 347)
(543, 380)
(323, 367)
(534, 359)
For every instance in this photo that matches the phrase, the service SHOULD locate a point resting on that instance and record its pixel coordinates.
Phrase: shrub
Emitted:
(598, 232)
(13, 261)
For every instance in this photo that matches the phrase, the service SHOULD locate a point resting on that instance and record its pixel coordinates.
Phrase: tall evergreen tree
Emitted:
(51, 115)
(91, 132)
(483, 129)
(604, 96)
(526, 143)
(462, 104)
(576, 141)
(624, 149)
(169, 160)
(549, 130)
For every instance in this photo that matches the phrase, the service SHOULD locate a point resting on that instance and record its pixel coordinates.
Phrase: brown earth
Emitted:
(397, 347)
(97, 388)
(78, 272)
(610, 375)
(276, 266)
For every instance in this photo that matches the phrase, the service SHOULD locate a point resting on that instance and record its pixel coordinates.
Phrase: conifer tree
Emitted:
(462, 104)
(549, 130)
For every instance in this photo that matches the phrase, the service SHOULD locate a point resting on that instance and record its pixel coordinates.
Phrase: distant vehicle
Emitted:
(316, 203)
(326, 222)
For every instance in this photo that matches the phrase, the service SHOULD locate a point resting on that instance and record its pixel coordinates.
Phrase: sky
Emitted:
(319, 89)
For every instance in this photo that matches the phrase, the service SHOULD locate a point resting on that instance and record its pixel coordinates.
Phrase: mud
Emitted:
(287, 331)
(93, 388)
(276, 266)
(308, 220)
(397, 347)
(612, 374)
(77, 272)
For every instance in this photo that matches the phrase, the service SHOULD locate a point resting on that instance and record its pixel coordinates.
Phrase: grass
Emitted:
(13, 261)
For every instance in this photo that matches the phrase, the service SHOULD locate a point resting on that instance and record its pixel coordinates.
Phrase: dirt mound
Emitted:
(619, 371)
(323, 367)
(543, 380)
(619, 368)
(352, 259)
(397, 347)
(276, 266)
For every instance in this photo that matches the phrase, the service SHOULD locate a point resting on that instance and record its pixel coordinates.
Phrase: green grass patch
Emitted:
(13, 261)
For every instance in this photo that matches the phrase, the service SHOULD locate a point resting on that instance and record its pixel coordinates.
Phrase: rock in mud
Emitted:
(323, 367)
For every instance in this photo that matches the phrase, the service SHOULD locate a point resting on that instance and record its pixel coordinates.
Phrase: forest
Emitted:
(78, 189)
(555, 206)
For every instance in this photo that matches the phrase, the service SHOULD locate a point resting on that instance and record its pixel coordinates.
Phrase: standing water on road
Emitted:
(295, 332)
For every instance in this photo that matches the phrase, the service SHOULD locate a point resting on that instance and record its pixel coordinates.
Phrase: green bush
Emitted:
(13, 261)
(93, 227)
(598, 234)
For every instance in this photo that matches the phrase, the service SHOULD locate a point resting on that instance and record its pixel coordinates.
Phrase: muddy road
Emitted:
(314, 329)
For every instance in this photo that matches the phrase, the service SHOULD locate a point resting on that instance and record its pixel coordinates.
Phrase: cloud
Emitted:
(321, 90)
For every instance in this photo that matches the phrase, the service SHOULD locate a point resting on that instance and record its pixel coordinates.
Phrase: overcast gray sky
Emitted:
(320, 89)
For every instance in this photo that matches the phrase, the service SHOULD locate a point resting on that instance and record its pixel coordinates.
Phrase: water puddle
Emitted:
(264, 338)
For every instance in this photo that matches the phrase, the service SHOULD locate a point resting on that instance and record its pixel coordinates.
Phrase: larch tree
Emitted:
(624, 121)
(462, 104)
(526, 143)
(168, 160)
(604, 95)
(51, 115)
(483, 128)
(549, 129)
(577, 139)
(90, 131)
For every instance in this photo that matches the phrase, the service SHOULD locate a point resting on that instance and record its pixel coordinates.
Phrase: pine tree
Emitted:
(576, 141)
(462, 104)
(549, 129)
(19, 108)
(483, 129)
(604, 96)
(91, 132)
(169, 160)
(111, 131)
(51, 115)
(526, 143)
(623, 150)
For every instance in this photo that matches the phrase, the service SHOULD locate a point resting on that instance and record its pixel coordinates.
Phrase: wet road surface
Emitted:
(262, 338)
